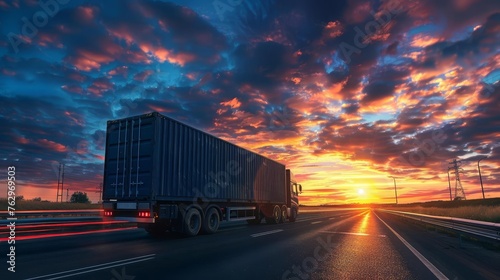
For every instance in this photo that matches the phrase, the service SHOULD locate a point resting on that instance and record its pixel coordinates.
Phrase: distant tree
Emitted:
(37, 199)
(20, 197)
(79, 197)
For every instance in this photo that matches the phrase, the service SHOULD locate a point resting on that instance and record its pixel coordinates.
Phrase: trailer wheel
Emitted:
(293, 215)
(276, 217)
(192, 222)
(283, 214)
(211, 221)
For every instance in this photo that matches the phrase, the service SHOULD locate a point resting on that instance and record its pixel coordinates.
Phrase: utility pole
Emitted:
(449, 184)
(60, 183)
(99, 191)
(459, 190)
(395, 189)
(67, 195)
(480, 178)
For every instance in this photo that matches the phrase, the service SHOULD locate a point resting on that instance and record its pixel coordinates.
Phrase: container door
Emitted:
(129, 158)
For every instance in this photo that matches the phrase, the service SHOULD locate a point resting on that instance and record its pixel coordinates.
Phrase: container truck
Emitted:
(168, 176)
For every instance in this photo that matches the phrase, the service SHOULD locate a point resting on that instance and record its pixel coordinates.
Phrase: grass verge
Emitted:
(480, 213)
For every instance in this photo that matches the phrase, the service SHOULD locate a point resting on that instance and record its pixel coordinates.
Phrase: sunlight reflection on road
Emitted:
(364, 252)
(364, 223)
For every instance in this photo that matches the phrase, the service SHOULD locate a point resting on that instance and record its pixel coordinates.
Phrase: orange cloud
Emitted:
(22, 140)
(120, 70)
(100, 86)
(163, 54)
(233, 103)
(159, 108)
(423, 40)
(51, 145)
(333, 29)
(77, 119)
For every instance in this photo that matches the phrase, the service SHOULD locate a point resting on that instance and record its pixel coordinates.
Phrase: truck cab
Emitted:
(294, 189)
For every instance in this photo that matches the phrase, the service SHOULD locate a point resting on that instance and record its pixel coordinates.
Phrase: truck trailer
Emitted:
(168, 176)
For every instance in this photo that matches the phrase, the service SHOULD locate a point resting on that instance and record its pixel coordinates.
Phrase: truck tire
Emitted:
(293, 215)
(276, 216)
(283, 214)
(211, 221)
(192, 222)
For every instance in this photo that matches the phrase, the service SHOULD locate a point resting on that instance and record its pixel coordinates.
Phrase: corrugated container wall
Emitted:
(155, 157)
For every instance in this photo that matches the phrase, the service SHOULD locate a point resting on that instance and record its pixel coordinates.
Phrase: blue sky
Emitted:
(292, 80)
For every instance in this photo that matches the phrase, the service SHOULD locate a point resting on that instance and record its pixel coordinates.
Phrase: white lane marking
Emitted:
(299, 220)
(425, 261)
(96, 267)
(354, 233)
(317, 222)
(305, 220)
(266, 233)
(310, 219)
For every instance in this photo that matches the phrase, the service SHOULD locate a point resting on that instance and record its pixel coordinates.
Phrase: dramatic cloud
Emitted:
(345, 93)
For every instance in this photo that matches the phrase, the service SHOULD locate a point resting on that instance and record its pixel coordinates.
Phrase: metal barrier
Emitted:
(482, 229)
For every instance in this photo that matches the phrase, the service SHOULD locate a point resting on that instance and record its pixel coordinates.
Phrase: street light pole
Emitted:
(395, 189)
(480, 178)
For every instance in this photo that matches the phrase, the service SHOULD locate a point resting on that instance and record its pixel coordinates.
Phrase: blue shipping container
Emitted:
(153, 157)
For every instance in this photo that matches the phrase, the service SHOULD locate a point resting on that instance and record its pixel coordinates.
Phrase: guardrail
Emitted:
(52, 213)
(481, 229)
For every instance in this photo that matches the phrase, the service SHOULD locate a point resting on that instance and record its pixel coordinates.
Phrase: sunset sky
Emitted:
(345, 93)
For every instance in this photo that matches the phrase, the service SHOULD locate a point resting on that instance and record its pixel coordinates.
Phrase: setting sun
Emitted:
(361, 192)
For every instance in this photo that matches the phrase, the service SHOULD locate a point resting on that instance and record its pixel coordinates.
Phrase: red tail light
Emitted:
(108, 213)
(144, 214)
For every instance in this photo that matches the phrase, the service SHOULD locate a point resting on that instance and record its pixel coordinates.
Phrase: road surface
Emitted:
(334, 244)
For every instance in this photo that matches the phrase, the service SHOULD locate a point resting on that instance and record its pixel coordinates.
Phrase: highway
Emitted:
(330, 244)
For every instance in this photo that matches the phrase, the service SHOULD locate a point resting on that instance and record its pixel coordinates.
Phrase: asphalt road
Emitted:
(340, 244)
